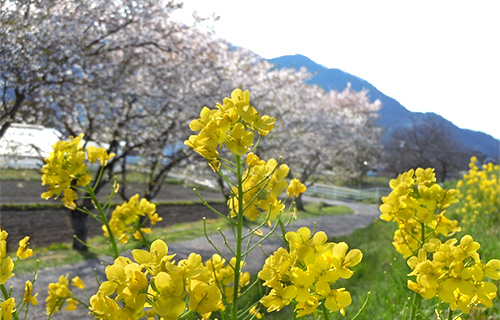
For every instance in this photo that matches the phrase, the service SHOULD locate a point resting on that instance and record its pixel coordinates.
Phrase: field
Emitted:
(378, 286)
(48, 221)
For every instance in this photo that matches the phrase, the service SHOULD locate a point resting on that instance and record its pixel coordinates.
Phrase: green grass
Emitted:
(20, 174)
(321, 209)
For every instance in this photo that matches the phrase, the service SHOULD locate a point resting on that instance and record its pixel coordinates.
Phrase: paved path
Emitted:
(336, 226)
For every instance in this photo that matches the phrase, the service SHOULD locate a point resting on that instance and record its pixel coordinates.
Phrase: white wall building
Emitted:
(25, 145)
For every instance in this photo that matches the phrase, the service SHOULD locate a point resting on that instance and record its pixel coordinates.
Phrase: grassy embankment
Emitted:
(383, 271)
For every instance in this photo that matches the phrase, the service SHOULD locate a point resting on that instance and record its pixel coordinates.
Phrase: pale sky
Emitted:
(431, 56)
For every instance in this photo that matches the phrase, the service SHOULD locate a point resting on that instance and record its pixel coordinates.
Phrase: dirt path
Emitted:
(88, 270)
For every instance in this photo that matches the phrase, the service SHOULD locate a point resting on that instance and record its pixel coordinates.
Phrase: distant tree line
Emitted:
(425, 144)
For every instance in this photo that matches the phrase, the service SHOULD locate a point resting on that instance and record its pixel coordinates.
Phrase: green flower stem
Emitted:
(225, 241)
(415, 306)
(450, 314)
(206, 204)
(260, 241)
(325, 311)
(4, 292)
(104, 219)
(363, 306)
(417, 298)
(238, 238)
(80, 301)
(186, 315)
(210, 241)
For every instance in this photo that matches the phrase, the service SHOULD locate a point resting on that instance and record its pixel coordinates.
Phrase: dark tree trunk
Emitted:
(79, 224)
(79, 221)
(299, 203)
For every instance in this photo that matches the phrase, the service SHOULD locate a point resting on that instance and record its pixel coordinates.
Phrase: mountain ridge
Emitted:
(393, 115)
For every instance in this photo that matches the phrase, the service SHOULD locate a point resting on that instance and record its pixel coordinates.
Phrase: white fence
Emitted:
(343, 193)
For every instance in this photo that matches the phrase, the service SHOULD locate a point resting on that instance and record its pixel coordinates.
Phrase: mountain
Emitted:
(392, 114)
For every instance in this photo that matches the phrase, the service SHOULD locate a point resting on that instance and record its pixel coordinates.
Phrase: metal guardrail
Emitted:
(343, 193)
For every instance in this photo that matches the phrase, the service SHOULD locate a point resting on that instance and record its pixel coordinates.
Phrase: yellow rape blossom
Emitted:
(232, 123)
(156, 286)
(28, 291)
(418, 204)
(204, 298)
(240, 140)
(7, 308)
(264, 182)
(124, 219)
(57, 295)
(77, 282)
(6, 263)
(64, 165)
(24, 251)
(72, 304)
(66, 168)
(102, 306)
(153, 259)
(450, 270)
(453, 271)
(98, 153)
(295, 188)
(480, 194)
(307, 273)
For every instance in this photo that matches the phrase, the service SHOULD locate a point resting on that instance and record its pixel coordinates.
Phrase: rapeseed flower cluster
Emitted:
(154, 285)
(232, 123)
(480, 193)
(59, 295)
(8, 305)
(306, 273)
(264, 182)
(7, 308)
(126, 219)
(66, 168)
(6, 263)
(454, 272)
(418, 205)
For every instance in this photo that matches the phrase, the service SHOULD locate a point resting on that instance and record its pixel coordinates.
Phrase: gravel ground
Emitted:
(89, 270)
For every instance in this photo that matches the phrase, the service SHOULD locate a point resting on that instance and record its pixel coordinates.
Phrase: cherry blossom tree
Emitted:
(121, 72)
(131, 79)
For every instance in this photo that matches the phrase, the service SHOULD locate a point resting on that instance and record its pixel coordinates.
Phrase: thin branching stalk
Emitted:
(89, 246)
(326, 313)
(206, 204)
(104, 219)
(209, 240)
(363, 306)
(238, 238)
(450, 313)
(260, 241)
(225, 241)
